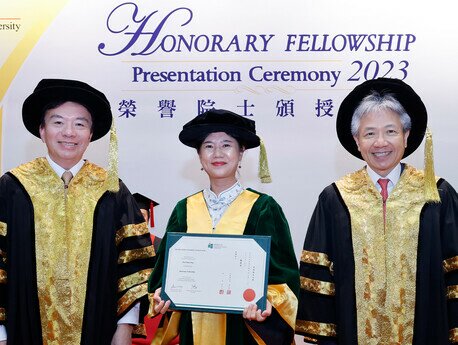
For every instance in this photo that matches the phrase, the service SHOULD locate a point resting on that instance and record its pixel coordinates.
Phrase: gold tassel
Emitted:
(430, 188)
(264, 173)
(112, 181)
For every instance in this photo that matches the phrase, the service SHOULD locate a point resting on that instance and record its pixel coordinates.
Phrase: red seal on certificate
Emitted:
(249, 295)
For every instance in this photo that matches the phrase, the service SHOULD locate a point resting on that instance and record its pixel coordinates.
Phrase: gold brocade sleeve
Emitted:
(314, 285)
(131, 296)
(2, 314)
(453, 335)
(131, 230)
(318, 286)
(136, 254)
(315, 258)
(450, 264)
(452, 291)
(3, 276)
(134, 279)
(317, 328)
(3, 228)
(139, 330)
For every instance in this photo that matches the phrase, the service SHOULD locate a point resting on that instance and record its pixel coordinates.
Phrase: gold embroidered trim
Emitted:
(3, 227)
(310, 340)
(450, 264)
(139, 330)
(284, 301)
(131, 296)
(316, 258)
(2, 314)
(318, 286)
(65, 220)
(134, 279)
(316, 328)
(452, 291)
(136, 254)
(3, 256)
(385, 254)
(131, 230)
(453, 335)
(152, 303)
(3, 277)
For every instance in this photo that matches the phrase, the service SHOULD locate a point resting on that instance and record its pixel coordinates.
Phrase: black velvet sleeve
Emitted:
(449, 237)
(316, 315)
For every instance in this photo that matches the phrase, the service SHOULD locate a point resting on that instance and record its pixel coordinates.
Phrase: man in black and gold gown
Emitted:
(380, 259)
(75, 250)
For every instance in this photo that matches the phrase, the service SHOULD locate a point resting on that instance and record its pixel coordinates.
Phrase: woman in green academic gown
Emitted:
(226, 207)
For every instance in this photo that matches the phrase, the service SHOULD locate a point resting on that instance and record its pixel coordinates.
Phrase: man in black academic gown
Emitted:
(380, 259)
(75, 250)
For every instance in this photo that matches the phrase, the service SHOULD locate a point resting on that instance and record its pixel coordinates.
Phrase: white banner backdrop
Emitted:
(286, 64)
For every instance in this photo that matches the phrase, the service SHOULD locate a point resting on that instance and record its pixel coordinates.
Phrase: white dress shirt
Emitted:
(393, 176)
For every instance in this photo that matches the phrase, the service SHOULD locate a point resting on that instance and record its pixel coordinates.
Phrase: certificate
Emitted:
(215, 273)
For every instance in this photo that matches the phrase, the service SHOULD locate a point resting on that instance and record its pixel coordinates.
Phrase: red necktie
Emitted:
(383, 182)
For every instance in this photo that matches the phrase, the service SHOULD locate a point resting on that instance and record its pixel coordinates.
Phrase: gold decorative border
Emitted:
(3, 277)
(3, 227)
(2, 314)
(139, 329)
(316, 328)
(453, 335)
(450, 264)
(318, 286)
(130, 230)
(136, 254)
(316, 258)
(136, 278)
(131, 296)
(452, 291)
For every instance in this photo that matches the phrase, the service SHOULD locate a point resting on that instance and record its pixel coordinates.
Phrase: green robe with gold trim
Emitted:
(73, 261)
(257, 214)
(366, 281)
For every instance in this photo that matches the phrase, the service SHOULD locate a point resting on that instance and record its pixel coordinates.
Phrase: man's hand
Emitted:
(254, 314)
(122, 336)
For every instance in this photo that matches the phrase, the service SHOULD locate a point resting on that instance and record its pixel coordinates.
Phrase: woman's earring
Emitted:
(240, 165)
(201, 168)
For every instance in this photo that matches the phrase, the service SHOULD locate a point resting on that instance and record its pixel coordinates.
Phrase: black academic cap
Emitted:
(408, 98)
(144, 202)
(219, 120)
(55, 90)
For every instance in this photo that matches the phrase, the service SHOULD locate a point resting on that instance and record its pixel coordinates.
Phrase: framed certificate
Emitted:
(215, 273)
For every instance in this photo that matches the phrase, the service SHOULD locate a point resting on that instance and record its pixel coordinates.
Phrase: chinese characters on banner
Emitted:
(283, 108)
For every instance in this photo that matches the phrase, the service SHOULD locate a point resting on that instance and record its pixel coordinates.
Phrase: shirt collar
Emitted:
(226, 196)
(59, 170)
(393, 176)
